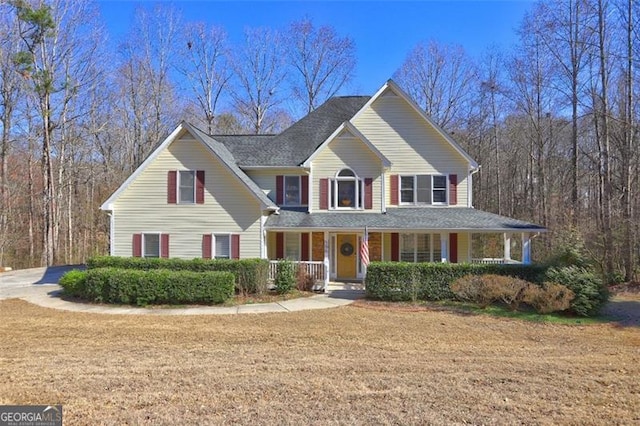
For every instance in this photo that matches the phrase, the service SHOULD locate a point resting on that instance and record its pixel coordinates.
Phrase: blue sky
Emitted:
(384, 31)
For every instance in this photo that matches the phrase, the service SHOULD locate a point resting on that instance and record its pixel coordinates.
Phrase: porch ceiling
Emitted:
(428, 218)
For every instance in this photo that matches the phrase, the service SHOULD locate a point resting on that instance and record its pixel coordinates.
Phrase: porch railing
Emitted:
(494, 261)
(315, 269)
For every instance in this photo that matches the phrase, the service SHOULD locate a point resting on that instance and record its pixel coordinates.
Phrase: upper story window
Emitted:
(186, 186)
(347, 191)
(292, 191)
(423, 189)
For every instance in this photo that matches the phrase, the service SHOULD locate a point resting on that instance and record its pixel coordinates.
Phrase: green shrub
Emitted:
(551, 297)
(251, 275)
(157, 286)
(285, 278)
(590, 293)
(431, 281)
(73, 282)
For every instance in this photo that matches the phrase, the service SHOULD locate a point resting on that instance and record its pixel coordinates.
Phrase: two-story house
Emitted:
(308, 193)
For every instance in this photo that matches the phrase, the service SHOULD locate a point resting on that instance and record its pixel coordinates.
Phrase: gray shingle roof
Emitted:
(425, 218)
(293, 146)
(223, 153)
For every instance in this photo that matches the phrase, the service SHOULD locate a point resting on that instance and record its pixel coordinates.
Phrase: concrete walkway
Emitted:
(39, 286)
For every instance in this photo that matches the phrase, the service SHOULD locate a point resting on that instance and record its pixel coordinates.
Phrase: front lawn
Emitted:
(350, 365)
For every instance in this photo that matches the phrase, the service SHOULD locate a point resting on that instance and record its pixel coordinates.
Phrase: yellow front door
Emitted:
(347, 255)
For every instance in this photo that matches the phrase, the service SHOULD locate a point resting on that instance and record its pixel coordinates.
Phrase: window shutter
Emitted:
(394, 190)
(304, 246)
(207, 240)
(368, 193)
(453, 190)
(395, 247)
(235, 246)
(172, 177)
(200, 187)
(164, 245)
(304, 191)
(324, 194)
(279, 190)
(453, 248)
(137, 245)
(279, 245)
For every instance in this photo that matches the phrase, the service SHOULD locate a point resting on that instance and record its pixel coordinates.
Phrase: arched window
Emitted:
(347, 191)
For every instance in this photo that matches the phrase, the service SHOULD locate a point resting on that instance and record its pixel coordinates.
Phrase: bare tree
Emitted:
(203, 50)
(260, 71)
(439, 78)
(323, 62)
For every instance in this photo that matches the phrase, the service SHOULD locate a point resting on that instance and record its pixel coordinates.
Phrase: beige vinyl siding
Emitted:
(266, 179)
(463, 247)
(410, 143)
(347, 152)
(228, 207)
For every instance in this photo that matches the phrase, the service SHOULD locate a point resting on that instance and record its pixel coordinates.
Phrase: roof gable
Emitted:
(391, 86)
(348, 127)
(217, 149)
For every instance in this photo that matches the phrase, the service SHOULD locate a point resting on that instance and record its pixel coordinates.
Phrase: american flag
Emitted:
(364, 249)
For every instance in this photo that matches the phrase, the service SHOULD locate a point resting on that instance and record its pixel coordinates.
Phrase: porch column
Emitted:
(526, 248)
(326, 260)
(444, 247)
(507, 246)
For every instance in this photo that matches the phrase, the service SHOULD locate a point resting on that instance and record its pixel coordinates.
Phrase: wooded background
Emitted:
(553, 122)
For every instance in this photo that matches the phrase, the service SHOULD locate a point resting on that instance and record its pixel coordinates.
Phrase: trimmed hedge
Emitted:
(402, 281)
(251, 275)
(157, 286)
(73, 282)
(590, 293)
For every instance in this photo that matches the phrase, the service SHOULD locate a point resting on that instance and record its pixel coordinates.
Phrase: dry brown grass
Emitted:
(351, 365)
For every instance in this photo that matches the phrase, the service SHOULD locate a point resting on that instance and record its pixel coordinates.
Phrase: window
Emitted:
(439, 189)
(292, 190)
(151, 245)
(423, 189)
(222, 246)
(187, 186)
(420, 248)
(346, 191)
(291, 246)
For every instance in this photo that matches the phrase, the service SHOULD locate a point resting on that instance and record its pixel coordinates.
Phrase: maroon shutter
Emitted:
(171, 186)
(164, 245)
(324, 194)
(279, 245)
(453, 190)
(395, 247)
(207, 239)
(368, 193)
(453, 248)
(137, 245)
(394, 190)
(304, 247)
(235, 246)
(200, 187)
(304, 196)
(279, 190)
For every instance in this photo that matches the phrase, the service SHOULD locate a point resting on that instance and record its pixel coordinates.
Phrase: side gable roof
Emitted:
(216, 148)
(355, 132)
(391, 85)
(293, 146)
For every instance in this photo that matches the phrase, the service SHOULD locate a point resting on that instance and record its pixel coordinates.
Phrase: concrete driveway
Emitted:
(32, 282)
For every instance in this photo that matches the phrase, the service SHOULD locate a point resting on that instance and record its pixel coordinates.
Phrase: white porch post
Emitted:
(526, 248)
(507, 246)
(444, 247)
(326, 260)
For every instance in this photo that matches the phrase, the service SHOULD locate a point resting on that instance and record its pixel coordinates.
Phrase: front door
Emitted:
(347, 256)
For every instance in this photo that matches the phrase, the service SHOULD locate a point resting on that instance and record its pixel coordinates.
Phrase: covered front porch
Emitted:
(329, 245)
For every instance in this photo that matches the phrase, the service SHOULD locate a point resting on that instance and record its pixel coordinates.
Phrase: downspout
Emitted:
(470, 185)
(112, 233)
